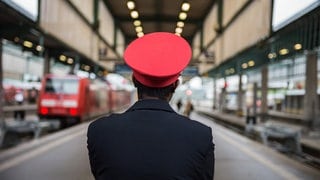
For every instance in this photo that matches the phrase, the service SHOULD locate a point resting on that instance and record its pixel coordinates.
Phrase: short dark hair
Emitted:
(161, 93)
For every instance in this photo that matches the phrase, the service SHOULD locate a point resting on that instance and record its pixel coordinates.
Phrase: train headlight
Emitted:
(73, 111)
(44, 110)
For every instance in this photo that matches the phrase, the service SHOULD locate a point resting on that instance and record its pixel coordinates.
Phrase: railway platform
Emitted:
(63, 155)
(308, 139)
(16, 131)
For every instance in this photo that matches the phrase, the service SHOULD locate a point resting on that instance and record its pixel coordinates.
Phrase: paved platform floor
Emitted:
(63, 156)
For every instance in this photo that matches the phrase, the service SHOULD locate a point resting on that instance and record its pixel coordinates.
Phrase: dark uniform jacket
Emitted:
(150, 141)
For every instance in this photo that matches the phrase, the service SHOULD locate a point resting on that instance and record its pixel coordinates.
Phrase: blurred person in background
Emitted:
(19, 114)
(188, 108)
(33, 95)
(179, 104)
(150, 140)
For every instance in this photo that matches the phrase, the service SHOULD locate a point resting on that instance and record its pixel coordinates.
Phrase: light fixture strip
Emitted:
(135, 15)
(185, 7)
(28, 44)
(131, 5)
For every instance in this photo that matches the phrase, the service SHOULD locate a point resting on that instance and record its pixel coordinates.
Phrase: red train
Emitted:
(73, 99)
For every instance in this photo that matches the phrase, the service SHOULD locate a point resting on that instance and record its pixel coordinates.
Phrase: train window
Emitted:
(63, 86)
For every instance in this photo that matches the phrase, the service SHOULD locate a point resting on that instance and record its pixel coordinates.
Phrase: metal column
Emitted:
(255, 98)
(311, 112)
(214, 93)
(240, 95)
(46, 63)
(2, 122)
(264, 92)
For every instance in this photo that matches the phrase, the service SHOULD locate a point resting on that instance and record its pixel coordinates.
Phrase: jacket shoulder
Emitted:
(103, 122)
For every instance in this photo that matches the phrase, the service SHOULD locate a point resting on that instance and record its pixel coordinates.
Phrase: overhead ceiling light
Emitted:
(130, 5)
(39, 48)
(283, 51)
(86, 67)
(180, 24)
(229, 71)
(251, 63)
(139, 29)
(62, 58)
(182, 15)
(185, 6)
(244, 66)
(297, 46)
(16, 39)
(134, 14)
(140, 34)
(272, 55)
(178, 30)
(70, 61)
(28, 44)
(137, 22)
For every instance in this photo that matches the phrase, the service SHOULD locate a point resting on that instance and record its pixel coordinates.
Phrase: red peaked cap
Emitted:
(157, 59)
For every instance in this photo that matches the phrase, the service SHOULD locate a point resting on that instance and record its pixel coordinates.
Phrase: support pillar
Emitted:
(240, 97)
(2, 121)
(214, 93)
(1, 86)
(223, 96)
(46, 63)
(264, 93)
(255, 98)
(310, 110)
(222, 99)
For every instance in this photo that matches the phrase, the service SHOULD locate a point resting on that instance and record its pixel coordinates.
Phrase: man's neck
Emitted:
(143, 96)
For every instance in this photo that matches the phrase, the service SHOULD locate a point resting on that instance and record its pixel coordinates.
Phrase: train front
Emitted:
(60, 99)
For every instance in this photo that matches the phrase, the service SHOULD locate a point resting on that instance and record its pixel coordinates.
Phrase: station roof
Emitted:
(16, 27)
(155, 15)
(160, 15)
(297, 38)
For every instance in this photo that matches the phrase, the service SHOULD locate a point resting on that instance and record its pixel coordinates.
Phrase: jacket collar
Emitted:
(151, 104)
